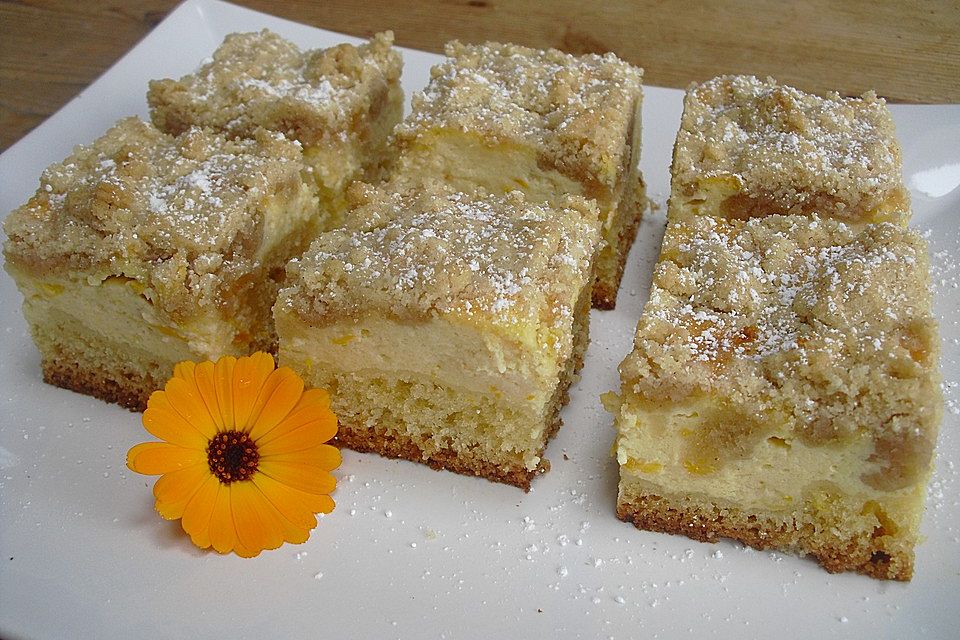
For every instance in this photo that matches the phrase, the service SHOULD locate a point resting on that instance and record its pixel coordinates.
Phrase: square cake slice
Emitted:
(784, 391)
(448, 330)
(142, 250)
(340, 103)
(749, 147)
(500, 117)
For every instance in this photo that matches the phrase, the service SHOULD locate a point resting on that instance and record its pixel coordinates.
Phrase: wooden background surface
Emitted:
(906, 51)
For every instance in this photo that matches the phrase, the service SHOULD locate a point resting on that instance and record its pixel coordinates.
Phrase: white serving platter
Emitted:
(410, 552)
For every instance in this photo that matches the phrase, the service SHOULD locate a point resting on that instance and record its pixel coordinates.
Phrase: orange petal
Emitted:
(249, 376)
(166, 424)
(318, 397)
(303, 477)
(184, 398)
(196, 515)
(207, 386)
(164, 400)
(156, 394)
(223, 383)
(257, 526)
(152, 458)
(291, 531)
(313, 407)
(326, 504)
(280, 394)
(184, 370)
(244, 552)
(223, 532)
(296, 506)
(306, 436)
(174, 490)
(325, 456)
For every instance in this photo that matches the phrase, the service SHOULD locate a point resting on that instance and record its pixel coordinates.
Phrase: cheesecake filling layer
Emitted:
(116, 311)
(445, 384)
(467, 161)
(776, 474)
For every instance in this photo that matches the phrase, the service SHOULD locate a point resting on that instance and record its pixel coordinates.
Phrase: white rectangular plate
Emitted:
(410, 552)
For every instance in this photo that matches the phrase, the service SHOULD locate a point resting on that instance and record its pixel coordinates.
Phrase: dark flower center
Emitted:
(232, 456)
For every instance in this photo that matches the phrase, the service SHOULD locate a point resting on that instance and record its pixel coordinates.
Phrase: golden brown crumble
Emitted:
(261, 80)
(183, 216)
(432, 250)
(886, 557)
(798, 320)
(576, 112)
(790, 152)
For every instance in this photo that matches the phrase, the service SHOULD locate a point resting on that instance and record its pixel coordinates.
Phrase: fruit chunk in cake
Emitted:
(502, 117)
(783, 390)
(449, 328)
(339, 103)
(142, 250)
(750, 147)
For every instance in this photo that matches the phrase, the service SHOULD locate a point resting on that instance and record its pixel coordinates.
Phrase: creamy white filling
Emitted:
(779, 474)
(440, 381)
(451, 354)
(467, 161)
(115, 311)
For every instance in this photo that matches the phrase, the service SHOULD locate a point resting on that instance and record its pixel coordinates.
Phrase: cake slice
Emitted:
(500, 117)
(446, 326)
(783, 390)
(142, 250)
(339, 103)
(750, 147)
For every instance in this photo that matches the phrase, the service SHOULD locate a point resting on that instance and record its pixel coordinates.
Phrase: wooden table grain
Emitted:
(906, 51)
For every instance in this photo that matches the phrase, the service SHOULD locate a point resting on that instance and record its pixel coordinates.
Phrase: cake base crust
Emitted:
(393, 445)
(865, 553)
(127, 388)
(406, 448)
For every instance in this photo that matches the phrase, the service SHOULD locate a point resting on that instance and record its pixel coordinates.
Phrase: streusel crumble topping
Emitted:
(789, 148)
(575, 111)
(436, 251)
(262, 80)
(793, 315)
(179, 214)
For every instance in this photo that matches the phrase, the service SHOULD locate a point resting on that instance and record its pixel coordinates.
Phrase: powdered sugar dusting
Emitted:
(805, 316)
(140, 202)
(576, 111)
(262, 80)
(756, 298)
(791, 150)
(502, 258)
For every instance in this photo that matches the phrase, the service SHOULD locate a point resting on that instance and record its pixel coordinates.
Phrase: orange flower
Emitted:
(243, 463)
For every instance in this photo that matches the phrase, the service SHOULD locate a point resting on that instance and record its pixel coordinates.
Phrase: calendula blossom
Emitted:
(243, 457)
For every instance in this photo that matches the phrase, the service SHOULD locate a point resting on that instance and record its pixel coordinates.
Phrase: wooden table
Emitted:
(51, 49)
